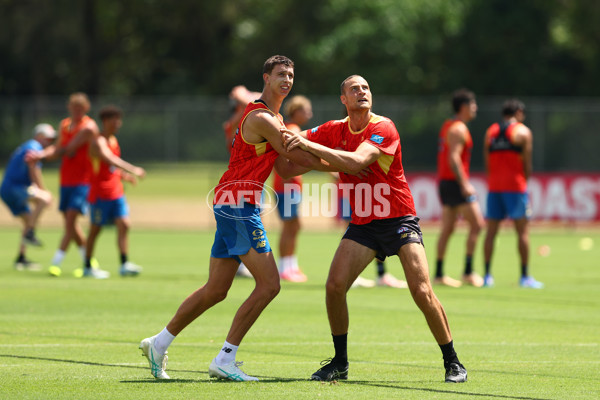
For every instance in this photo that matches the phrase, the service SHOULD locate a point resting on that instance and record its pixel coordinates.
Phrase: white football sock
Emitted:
(287, 263)
(294, 263)
(82, 252)
(163, 341)
(227, 354)
(58, 258)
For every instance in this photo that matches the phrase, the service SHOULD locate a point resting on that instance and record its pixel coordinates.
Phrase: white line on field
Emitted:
(369, 344)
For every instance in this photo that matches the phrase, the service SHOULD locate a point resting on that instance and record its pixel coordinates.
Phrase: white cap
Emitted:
(46, 130)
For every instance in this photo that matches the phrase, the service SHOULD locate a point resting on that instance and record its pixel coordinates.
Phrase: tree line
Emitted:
(407, 47)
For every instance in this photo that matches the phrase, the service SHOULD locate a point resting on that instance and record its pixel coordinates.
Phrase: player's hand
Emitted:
(293, 140)
(139, 172)
(363, 173)
(468, 191)
(33, 156)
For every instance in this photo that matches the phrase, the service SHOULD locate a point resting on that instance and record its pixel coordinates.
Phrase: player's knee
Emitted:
(217, 295)
(422, 294)
(335, 287)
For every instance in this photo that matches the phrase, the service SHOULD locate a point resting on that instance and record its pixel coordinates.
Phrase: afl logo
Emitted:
(257, 232)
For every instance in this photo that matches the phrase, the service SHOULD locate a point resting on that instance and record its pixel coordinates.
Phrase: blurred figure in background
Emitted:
(298, 110)
(457, 194)
(22, 184)
(239, 98)
(107, 199)
(76, 133)
(507, 156)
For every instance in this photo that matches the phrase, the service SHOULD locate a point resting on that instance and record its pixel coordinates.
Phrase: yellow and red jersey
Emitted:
(384, 193)
(250, 165)
(106, 179)
(443, 163)
(505, 161)
(76, 169)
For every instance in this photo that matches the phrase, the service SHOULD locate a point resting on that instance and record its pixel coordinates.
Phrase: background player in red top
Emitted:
(507, 155)
(289, 193)
(107, 199)
(240, 234)
(75, 134)
(457, 195)
(384, 221)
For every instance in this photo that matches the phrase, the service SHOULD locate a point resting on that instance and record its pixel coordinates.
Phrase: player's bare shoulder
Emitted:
(259, 125)
(457, 132)
(522, 134)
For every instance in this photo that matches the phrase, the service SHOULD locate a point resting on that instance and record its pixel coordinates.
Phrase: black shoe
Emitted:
(23, 264)
(456, 373)
(30, 239)
(331, 370)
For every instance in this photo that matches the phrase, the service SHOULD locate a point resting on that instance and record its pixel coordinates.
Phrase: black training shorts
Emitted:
(450, 194)
(386, 236)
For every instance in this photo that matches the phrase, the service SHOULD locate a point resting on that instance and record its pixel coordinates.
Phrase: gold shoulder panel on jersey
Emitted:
(385, 161)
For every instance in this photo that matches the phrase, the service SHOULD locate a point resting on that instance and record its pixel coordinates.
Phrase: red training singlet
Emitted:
(106, 179)
(279, 182)
(250, 165)
(506, 169)
(77, 169)
(384, 193)
(443, 163)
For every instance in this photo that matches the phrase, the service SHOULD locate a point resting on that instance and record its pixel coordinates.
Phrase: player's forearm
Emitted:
(35, 174)
(457, 169)
(338, 160)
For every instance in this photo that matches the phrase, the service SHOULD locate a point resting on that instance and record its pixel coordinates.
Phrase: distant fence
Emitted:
(172, 129)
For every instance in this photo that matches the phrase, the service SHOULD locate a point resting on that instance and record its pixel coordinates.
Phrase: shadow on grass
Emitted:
(271, 379)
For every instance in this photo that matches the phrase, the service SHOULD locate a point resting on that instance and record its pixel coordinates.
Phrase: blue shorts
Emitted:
(74, 198)
(511, 205)
(288, 204)
(238, 229)
(16, 198)
(104, 212)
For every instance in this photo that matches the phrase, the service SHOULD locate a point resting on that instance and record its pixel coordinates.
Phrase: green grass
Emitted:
(70, 338)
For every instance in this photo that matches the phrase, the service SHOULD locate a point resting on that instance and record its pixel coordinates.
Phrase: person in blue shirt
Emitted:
(23, 184)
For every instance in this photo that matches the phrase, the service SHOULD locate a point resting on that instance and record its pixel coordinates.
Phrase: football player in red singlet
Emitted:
(507, 155)
(457, 195)
(384, 221)
(107, 198)
(75, 134)
(240, 234)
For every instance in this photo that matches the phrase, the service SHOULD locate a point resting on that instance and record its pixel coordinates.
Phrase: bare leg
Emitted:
(123, 225)
(220, 276)
(91, 242)
(350, 259)
(264, 270)
(449, 215)
(472, 214)
(490, 236)
(289, 234)
(72, 230)
(413, 259)
(522, 228)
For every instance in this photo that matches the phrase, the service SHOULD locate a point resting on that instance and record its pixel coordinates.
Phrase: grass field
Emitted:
(70, 338)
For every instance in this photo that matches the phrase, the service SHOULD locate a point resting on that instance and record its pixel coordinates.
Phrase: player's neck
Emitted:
(511, 120)
(107, 134)
(272, 101)
(462, 117)
(359, 119)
